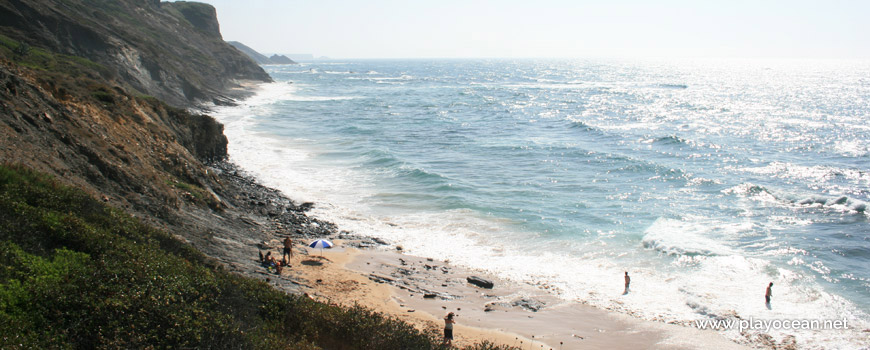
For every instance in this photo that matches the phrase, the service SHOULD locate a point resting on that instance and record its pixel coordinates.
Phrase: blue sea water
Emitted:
(704, 179)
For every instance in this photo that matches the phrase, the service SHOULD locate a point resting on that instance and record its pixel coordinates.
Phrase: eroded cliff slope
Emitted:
(74, 104)
(170, 50)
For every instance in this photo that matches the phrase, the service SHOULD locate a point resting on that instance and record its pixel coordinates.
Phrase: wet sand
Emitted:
(421, 291)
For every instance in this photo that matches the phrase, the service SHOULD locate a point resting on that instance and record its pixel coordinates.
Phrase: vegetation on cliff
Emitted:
(75, 273)
(66, 114)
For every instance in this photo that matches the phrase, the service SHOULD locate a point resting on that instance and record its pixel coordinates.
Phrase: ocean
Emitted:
(704, 179)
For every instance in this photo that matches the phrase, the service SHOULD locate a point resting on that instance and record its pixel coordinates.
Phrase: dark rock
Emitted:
(480, 282)
(429, 295)
(528, 304)
(203, 17)
(381, 279)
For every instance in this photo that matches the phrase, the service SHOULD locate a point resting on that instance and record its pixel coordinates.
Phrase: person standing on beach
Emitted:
(448, 329)
(627, 282)
(768, 293)
(288, 249)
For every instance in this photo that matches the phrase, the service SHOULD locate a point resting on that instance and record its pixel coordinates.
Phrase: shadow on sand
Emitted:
(312, 262)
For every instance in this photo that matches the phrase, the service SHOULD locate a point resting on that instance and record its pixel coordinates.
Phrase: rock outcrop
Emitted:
(170, 50)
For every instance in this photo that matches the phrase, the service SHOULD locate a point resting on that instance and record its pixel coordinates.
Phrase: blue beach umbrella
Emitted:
(321, 243)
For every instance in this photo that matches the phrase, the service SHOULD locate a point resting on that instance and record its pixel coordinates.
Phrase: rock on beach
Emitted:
(480, 282)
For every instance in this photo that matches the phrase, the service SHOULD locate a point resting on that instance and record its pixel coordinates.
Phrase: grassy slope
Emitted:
(76, 273)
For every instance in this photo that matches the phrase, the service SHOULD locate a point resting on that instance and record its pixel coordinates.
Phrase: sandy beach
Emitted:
(421, 291)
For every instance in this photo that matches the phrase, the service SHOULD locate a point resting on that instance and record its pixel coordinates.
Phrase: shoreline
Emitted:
(577, 324)
(421, 291)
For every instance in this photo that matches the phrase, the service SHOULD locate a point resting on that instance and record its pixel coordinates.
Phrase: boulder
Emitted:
(480, 282)
(528, 304)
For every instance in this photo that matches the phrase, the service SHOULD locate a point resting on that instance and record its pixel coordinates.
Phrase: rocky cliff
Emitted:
(138, 152)
(170, 50)
(81, 89)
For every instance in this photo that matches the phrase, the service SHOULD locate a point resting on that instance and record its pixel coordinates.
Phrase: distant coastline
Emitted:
(261, 58)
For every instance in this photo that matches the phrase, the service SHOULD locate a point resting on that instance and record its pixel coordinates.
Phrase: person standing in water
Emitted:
(768, 293)
(627, 282)
(448, 329)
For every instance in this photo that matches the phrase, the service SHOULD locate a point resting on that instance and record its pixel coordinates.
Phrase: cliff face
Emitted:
(81, 90)
(172, 51)
(138, 152)
(59, 116)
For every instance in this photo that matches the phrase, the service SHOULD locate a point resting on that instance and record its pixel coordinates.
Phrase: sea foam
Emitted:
(598, 199)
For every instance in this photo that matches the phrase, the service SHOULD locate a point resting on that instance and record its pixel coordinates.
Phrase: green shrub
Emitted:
(75, 273)
(21, 50)
(103, 96)
(44, 60)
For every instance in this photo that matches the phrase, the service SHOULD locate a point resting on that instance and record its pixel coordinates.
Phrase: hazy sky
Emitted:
(550, 28)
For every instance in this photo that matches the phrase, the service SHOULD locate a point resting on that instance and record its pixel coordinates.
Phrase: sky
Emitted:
(550, 28)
